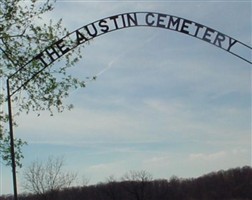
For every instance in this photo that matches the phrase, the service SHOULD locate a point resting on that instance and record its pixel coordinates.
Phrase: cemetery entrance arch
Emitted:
(114, 23)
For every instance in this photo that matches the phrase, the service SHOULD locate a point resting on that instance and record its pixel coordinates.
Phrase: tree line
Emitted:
(232, 184)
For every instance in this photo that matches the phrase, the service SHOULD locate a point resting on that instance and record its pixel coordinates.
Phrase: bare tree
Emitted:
(44, 178)
(140, 176)
(111, 188)
(136, 183)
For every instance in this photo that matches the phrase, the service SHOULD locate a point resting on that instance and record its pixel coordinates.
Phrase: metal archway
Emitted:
(113, 23)
(130, 20)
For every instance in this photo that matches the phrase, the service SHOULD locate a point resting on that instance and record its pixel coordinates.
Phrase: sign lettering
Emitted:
(141, 19)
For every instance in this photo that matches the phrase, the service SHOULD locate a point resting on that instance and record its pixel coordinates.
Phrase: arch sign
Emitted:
(138, 19)
(113, 23)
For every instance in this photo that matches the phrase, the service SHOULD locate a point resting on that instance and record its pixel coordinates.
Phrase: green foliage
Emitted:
(23, 35)
(5, 151)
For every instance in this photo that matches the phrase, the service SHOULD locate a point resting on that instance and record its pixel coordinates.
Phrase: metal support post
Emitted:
(13, 160)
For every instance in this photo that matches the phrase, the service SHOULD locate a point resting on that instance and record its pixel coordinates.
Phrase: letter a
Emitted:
(80, 38)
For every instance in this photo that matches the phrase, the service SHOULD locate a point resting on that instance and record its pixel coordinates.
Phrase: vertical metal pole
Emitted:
(12, 143)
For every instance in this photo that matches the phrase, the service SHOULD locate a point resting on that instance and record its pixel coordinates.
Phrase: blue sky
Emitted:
(163, 102)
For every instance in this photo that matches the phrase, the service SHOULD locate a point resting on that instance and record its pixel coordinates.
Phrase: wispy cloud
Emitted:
(208, 157)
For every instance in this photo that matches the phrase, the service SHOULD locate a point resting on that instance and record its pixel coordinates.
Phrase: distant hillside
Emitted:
(232, 184)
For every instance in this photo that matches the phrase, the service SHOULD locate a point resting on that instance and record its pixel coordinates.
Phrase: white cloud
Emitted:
(100, 172)
(208, 157)
(158, 163)
(206, 162)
